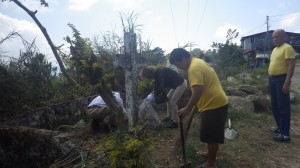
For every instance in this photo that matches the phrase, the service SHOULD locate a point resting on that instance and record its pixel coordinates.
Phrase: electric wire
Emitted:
(173, 21)
(187, 17)
(285, 14)
(254, 29)
(197, 30)
(295, 15)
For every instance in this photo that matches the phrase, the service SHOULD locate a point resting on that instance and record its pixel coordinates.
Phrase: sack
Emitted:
(148, 114)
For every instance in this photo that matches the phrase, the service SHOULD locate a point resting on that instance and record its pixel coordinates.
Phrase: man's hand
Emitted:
(183, 112)
(286, 88)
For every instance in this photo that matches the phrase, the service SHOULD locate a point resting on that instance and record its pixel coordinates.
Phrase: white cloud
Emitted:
(81, 5)
(28, 30)
(120, 5)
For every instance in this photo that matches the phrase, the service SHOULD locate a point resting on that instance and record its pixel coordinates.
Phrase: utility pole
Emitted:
(267, 40)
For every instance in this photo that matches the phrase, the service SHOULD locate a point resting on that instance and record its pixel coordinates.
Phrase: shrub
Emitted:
(126, 150)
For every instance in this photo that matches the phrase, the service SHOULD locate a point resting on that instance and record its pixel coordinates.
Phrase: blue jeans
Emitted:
(281, 106)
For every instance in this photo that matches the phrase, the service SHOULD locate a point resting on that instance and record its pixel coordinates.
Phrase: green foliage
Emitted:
(130, 24)
(37, 73)
(80, 62)
(229, 60)
(126, 150)
(26, 81)
(210, 56)
(79, 125)
(10, 90)
(197, 52)
(154, 57)
(145, 87)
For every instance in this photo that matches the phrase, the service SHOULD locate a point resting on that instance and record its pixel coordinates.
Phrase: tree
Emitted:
(197, 52)
(44, 31)
(26, 81)
(81, 57)
(231, 35)
(229, 58)
(154, 56)
(210, 56)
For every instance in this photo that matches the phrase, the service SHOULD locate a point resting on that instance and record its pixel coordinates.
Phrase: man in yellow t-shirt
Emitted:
(208, 96)
(281, 70)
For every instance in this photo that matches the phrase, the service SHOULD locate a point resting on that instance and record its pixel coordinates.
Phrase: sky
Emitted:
(167, 24)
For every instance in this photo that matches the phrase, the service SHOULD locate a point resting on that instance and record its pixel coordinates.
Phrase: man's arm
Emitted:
(197, 91)
(290, 71)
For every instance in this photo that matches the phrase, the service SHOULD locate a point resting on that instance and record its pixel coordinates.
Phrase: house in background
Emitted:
(261, 45)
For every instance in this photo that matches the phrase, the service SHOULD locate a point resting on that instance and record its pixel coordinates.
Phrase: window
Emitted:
(252, 39)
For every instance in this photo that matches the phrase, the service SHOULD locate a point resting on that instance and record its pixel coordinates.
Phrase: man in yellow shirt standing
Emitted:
(209, 97)
(281, 70)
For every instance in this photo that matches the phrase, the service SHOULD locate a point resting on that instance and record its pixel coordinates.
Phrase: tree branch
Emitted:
(53, 48)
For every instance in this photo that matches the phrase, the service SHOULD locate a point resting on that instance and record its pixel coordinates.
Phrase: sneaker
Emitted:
(274, 130)
(166, 120)
(172, 124)
(282, 138)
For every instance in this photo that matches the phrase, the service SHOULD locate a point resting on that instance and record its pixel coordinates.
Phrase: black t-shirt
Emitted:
(167, 78)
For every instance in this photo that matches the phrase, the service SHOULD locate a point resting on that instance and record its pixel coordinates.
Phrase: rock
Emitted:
(249, 89)
(230, 91)
(31, 147)
(241, 104)
(261, 102)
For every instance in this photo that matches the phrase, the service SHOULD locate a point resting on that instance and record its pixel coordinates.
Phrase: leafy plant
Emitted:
(126, 150)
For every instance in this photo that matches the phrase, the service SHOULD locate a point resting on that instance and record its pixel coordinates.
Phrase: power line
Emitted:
(201, 19)
(173, 21)
(255, 28)
(286, 18)
(187, 17)
(285, 14)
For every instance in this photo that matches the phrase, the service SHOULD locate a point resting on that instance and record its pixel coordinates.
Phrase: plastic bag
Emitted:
(148, 114)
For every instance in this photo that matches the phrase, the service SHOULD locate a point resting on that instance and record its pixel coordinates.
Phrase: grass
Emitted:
(253, 147)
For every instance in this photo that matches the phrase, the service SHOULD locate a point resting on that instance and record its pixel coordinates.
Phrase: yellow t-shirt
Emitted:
(200, 73)
(278, 59)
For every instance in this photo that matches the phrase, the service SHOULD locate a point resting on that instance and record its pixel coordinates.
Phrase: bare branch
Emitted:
(11, 35)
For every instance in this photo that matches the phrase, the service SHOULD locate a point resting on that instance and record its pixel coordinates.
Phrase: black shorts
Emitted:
(212, 125)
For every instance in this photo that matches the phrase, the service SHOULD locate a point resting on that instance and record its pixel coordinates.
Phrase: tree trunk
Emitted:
(108, 98)
(53, 48)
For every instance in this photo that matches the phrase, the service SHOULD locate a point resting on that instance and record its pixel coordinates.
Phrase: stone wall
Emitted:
(55, 115)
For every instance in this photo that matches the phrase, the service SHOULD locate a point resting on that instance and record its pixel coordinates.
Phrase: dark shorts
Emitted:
(212, 125)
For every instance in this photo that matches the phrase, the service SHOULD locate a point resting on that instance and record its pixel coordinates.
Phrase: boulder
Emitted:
(241, 104)
(30, 147)
(248, 89)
